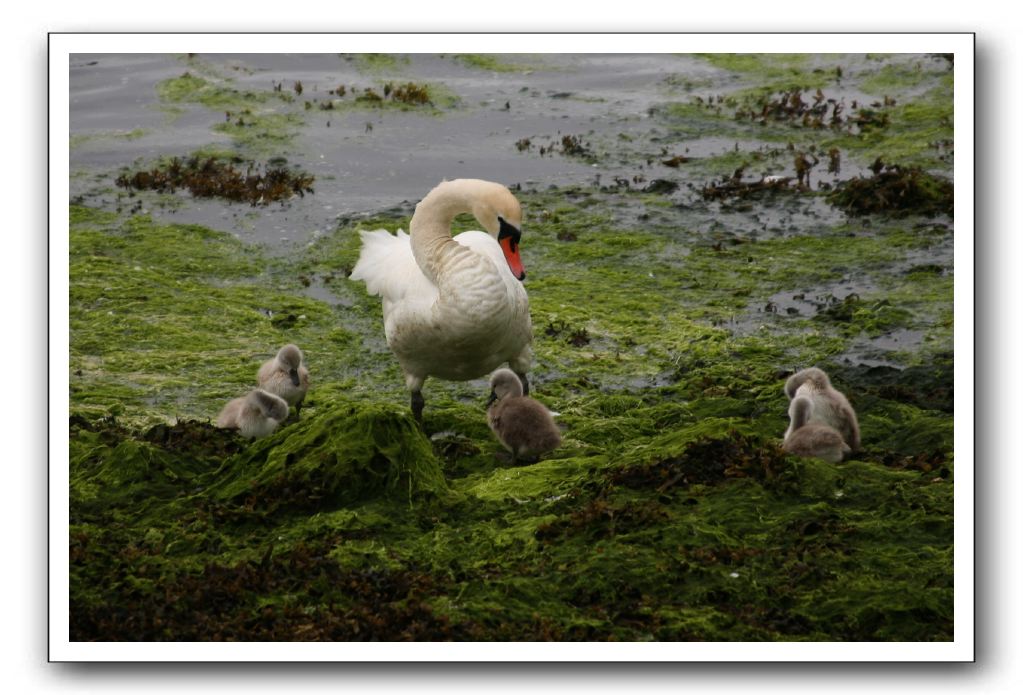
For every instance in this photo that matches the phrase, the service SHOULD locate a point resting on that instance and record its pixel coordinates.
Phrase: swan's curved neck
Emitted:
(430, 228)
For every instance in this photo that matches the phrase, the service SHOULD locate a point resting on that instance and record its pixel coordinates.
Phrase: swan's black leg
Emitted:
(417, 406)
(298, 409)
(525, 383)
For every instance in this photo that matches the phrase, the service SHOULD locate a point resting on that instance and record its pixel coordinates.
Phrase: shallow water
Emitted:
(369, 160)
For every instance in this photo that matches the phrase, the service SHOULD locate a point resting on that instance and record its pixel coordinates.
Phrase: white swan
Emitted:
(454, 308)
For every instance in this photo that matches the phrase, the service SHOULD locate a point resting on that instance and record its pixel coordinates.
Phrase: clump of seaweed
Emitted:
(211, 177)
(576, 337)
(573, 146)
(816, 111)
(567, 145)
(409, 93)
(735, 187)
(789, 106)
(855, 314)
(895, 190)
(370, 96)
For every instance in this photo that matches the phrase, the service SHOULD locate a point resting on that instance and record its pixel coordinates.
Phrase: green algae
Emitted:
(493, 63)
(684, 478)
(379, 62)
(896, 79)
(921, 133)
(259, 121)
(148, 299)
(757, 63)
(775, 71)
(266, 133)
(212, 93)
(669, 513)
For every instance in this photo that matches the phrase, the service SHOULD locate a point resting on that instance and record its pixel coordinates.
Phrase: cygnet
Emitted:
(254, 415)
(523, 425)
(286, 376)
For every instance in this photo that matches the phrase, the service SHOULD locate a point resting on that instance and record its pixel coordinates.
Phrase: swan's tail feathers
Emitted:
(385, 263)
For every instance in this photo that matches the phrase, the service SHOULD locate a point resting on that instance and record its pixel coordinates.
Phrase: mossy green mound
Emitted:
(341, 455)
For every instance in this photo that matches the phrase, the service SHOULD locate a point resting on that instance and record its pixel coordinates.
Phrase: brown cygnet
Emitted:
(829, 407)
(286, 376)
(523, 425)
(804, 438)
(254, 415)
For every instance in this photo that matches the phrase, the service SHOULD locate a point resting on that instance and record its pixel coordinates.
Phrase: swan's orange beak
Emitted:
(511, 254)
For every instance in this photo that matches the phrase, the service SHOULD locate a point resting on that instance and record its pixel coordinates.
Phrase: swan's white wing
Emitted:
(482, 322)
(389, 269)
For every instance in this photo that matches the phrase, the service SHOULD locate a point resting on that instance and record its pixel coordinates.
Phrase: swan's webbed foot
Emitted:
(417, 406)
(525, 383)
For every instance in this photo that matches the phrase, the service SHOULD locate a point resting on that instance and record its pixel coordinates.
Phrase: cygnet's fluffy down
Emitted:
(829, 406)
(805, 438)
(286, 376)
(254, 415)
(524, 426)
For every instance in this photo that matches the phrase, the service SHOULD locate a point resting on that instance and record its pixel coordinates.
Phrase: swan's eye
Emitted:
(509, 232)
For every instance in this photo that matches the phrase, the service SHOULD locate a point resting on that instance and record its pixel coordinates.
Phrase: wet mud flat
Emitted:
(686, 253)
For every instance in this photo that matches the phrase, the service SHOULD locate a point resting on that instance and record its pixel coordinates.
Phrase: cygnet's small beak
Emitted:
(294, 376)
(493, 397)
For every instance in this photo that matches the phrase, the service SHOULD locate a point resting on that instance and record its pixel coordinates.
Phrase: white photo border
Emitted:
(63, 45)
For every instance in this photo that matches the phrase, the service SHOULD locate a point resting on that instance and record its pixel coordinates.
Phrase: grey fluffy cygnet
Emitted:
(254, 415)
(804, 438)
(829, 407)
(524, 426)
(286, 376)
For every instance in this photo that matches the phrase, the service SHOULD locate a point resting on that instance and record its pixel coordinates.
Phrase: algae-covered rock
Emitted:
(897, 191)
(347, 453)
